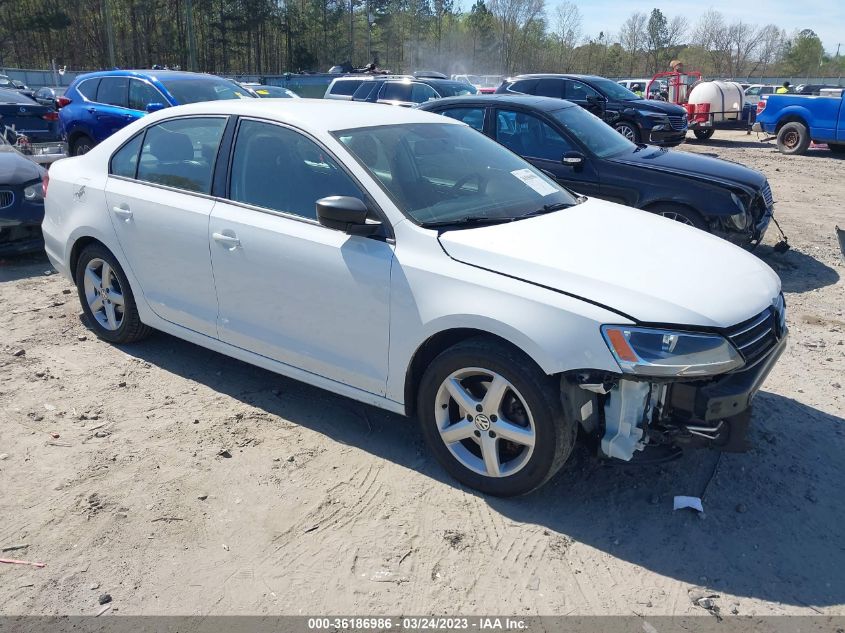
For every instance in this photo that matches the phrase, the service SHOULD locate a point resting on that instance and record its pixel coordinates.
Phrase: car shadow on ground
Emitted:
(774, 522)
(17, 267)
(715, 141)
(798, 271)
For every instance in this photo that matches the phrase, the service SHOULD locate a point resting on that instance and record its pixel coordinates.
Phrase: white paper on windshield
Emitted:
(534, 181)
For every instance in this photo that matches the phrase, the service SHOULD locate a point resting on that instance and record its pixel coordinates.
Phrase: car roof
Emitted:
(559, 76)
(155, 75)
(545, 104)
(314, 115)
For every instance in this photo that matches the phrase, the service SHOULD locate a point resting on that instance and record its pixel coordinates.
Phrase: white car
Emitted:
(406, 261)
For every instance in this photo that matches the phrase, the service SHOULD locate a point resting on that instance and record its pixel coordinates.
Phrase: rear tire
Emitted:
(106, 298)
(517, 427)
(81, 145)
(703, 135)
(793, 138)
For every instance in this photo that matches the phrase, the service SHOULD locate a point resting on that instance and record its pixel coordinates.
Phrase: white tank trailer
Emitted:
(726, 100)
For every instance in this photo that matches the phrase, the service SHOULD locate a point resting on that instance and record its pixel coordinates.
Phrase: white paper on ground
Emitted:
(534, 181)
(688, 502)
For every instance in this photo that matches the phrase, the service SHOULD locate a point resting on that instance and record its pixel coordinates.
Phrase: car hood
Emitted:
(654, 105)
(694, 165)
(16, 169)
(635, 263)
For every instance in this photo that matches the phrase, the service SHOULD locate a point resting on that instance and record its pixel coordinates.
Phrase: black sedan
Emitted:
(21, 202)
(637, 119)
(587, 156)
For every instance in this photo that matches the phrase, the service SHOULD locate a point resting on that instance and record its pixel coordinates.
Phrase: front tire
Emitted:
(493, 419)
(106, 298)
(628, 130)
(680, 213)
(793, 138)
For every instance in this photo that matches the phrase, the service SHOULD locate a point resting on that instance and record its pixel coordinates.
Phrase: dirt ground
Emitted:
(180, 481)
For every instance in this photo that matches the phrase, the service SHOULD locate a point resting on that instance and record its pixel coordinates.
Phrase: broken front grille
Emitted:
(767, 195)
(755, 337)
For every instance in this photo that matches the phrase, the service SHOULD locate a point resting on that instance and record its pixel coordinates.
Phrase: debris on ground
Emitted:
(12, 561)
(104, 598)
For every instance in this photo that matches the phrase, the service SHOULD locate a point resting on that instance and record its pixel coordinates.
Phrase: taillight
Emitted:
(61, 102)
(44, 182)
(51, 116)
(761, 105)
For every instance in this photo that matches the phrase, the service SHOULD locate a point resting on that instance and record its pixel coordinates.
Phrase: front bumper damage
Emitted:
(628, 414)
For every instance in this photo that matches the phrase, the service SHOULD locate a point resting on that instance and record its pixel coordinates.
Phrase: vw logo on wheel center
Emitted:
(482, 422)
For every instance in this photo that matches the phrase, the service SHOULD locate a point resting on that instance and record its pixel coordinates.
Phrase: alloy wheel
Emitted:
(103, 294)
(628, 132)
(484, 422)
(672, 215)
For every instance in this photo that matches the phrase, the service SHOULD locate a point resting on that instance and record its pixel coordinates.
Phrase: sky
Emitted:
(825, 17)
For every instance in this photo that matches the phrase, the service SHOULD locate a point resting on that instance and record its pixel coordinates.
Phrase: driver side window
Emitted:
(279, 169)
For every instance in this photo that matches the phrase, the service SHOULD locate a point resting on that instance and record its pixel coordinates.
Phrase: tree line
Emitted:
(490, 37)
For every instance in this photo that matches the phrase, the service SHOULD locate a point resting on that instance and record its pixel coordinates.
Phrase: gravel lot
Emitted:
(183, 482)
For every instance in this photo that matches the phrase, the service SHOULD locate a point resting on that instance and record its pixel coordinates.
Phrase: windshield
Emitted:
(455, 89)
(613, 90)
(439, 173)
(601, 139)
(204, 89)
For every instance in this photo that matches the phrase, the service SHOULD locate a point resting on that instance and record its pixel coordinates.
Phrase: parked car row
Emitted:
(428, 270)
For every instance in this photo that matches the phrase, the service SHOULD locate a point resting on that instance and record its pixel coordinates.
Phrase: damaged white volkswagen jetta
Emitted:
(405, 260)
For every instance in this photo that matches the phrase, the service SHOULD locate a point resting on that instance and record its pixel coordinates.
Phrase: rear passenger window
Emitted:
(549, 88)
(181, 153)
(88, 88)
(345, 88)
(112, 91)
(363, 91)
(524, 86)
(279, 169)
(125, 160)
(396, 91)
(474, 117)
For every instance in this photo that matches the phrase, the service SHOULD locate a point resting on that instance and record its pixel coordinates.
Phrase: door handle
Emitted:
(122, 211)
(227, 240)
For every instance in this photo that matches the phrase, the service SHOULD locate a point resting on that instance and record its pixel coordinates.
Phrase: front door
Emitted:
(288, 288)
(541, 145)
(158, 198)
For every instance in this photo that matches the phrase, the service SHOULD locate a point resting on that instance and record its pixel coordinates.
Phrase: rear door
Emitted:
(543, 146)
(159, 198)
(111, 107)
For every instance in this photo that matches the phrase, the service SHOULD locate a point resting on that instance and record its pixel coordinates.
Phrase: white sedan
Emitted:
(404, 260)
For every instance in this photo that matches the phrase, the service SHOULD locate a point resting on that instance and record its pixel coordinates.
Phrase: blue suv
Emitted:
(97, 105)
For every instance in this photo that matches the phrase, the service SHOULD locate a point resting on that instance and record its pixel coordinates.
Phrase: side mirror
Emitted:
(595, 99)
(573, 159)
(347, 214)
(154, 107)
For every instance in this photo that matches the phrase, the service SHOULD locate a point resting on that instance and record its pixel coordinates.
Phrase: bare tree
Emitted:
(711, 34)
(632, 37)
(745, 40)
(567, 32)
(514, 16)
(772, 47)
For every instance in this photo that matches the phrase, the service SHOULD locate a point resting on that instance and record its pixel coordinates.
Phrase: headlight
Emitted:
(34, 193)
(739, 220)
(652, 352)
